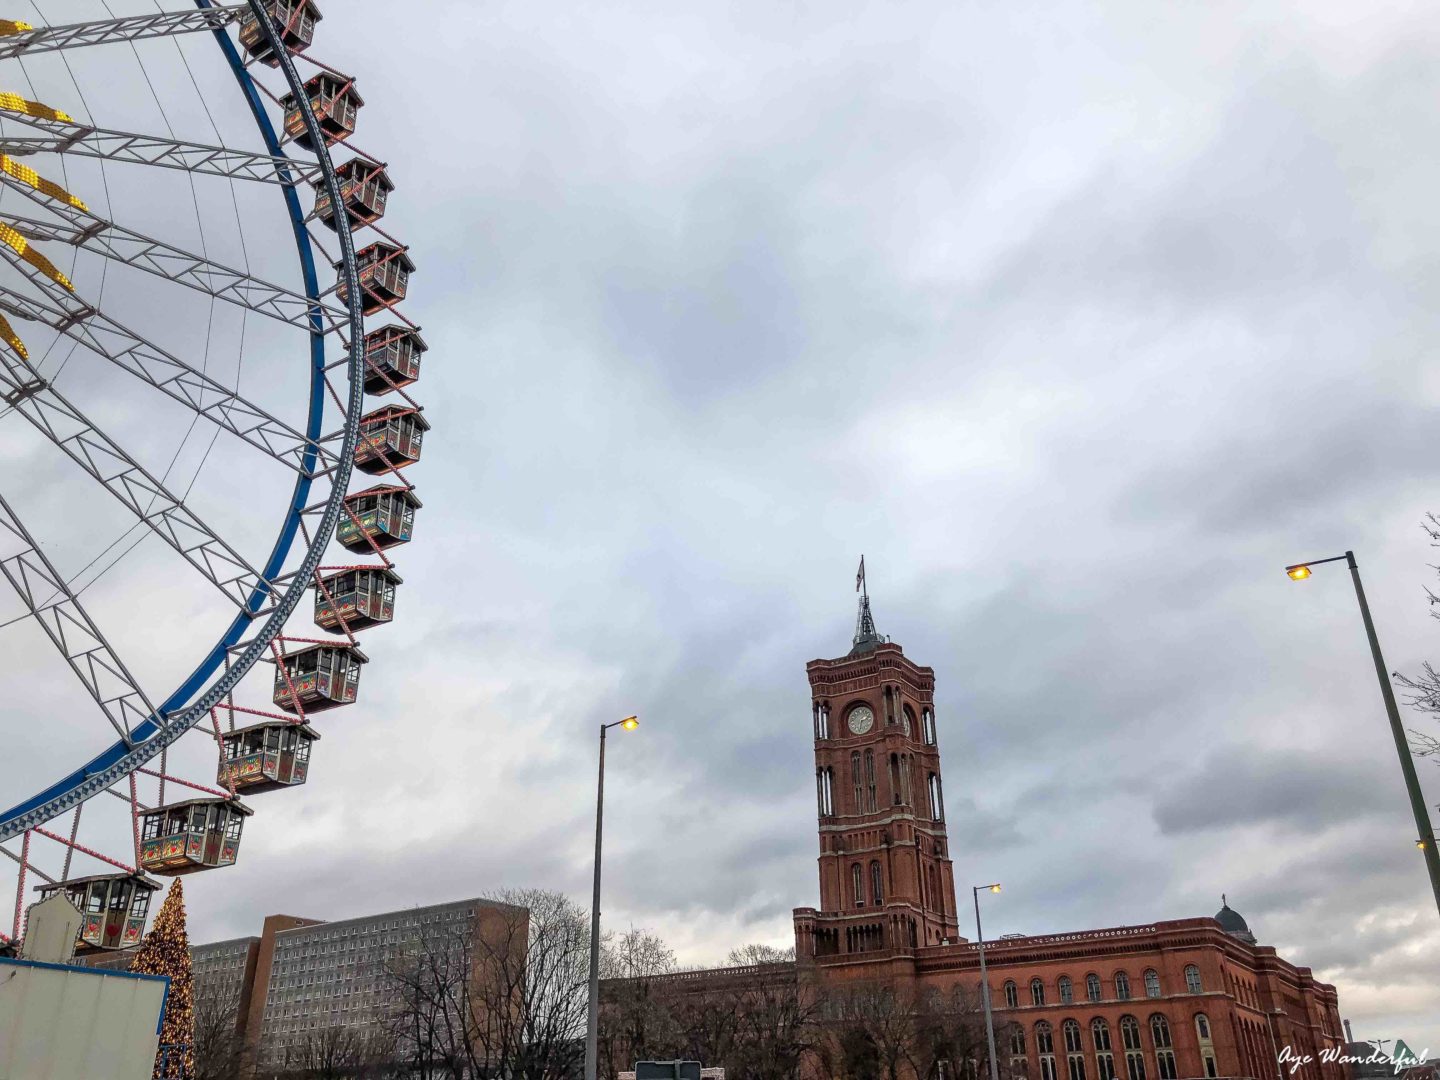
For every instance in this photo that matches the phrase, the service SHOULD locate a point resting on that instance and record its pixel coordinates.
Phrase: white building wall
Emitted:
(73, 1023)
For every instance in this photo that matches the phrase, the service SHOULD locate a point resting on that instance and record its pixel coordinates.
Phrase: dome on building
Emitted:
(1232, 922)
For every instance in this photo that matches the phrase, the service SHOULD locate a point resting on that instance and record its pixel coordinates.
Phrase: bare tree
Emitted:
(218, 1044)
(532, 987)
(949, 1030)
(504, 997)
(876, 1031)
(431, 980)
(340, 1053)
(1425, 687)
(637, 1021)
(777, 1025)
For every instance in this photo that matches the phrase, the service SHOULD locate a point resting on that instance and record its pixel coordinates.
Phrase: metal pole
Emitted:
(985, 988)
(1402, 746)
(592, 1020)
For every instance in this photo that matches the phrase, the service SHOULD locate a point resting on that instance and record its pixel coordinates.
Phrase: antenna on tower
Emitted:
(866, 637)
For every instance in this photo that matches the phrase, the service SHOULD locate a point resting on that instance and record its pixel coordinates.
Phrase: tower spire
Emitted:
(866, 637)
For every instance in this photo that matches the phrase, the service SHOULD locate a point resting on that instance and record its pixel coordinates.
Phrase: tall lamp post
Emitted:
(1426, 831)
(984, 981)
(592, 1019)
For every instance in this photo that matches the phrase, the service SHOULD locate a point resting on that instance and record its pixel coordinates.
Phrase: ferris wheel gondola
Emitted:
(309, 434)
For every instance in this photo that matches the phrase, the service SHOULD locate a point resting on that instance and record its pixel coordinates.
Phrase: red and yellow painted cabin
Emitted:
(266, 757)
(113, 908)
(384, 270)
(364, 189)
(335, 104)
(355, 598)
(196, 834)
(324, 675)
(384, 515)
(294, 22)
(390, 438)
(392, 358)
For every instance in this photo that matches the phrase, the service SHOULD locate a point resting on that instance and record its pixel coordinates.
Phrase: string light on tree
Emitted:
(166, 951)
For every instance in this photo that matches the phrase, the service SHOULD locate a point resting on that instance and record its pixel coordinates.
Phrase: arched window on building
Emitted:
(1122, 986)
(1164, 1048)
(1104, 1059)
(1207, 1045)
(937, 806)
(1012, 996)
(927, 724)
(1074, 1051)
(1192, 980)
(1067, 992)
(856, 781)
(1017, 1040)
(857, 884)
(877, 884)
(1092, 987)
(895, 779)
(1045, 1048)
(870, 779)
(1037, 992)
(1134, 1053)
(1152, 983)
(822, 720)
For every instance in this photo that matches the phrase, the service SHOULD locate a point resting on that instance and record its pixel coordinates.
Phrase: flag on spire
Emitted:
(860, 575)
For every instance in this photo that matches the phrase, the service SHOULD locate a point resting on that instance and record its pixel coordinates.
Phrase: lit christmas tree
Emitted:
(166, 951)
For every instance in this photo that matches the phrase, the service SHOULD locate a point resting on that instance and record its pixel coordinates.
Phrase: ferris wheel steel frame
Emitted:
(177, 714)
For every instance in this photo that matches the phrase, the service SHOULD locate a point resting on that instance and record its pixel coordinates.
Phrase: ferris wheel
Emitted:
(198, 311)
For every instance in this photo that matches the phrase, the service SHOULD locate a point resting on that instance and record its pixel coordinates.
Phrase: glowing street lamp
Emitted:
(592, 1019)
(984, 981)
(1426, 840)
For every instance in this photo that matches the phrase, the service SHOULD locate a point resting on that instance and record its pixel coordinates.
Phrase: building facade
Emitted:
(302, 980)
(1182, 998)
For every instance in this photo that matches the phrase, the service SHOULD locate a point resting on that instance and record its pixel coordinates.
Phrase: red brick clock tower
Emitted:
(886, 881)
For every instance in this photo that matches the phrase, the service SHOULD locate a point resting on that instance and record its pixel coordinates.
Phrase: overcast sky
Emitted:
(1080, 320)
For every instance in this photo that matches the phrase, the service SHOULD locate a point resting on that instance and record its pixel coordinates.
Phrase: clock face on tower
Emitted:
(860, 719)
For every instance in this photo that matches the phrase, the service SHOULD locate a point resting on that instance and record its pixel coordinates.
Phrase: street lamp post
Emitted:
(1426, 831)
(592, 1018)
(984, 980)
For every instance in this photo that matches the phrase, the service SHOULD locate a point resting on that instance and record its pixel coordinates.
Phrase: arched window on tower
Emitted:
(1074, 1051)
(856, 780)
(1037, 992)
(824, 785)
(1104, 1059)
(1192, 980)
(1067, 993)
(870, 779)
(822, 720)
(877, 884)
(1092, 987)
(1152, 983)
(937, 808)
(895, 778)
(1164, 1048)
(927, 727)
(1012, 996)
(857, 885)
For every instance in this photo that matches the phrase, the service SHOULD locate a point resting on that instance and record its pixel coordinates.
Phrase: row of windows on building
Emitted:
(1095, 990)
(904, 716)
(1077, 1057)
(864, 793)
